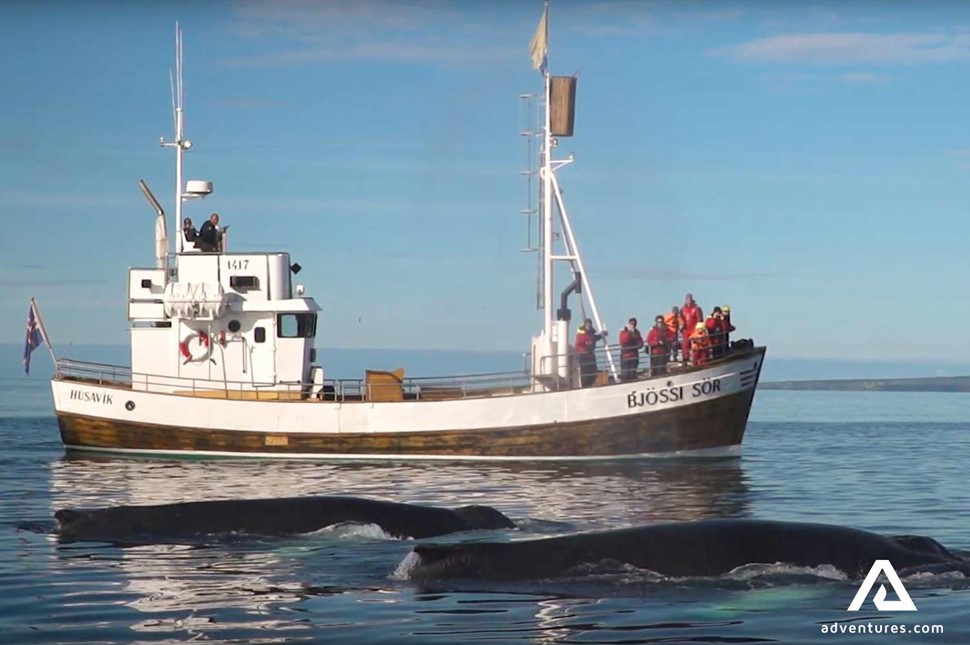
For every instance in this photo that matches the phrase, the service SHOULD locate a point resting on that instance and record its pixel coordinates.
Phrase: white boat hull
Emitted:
(699, 411)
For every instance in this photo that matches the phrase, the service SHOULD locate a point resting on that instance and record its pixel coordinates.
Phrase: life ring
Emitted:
(187, 346)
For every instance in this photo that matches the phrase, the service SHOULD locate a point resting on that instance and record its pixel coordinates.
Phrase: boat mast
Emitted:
(549, 191)
(546, 199)
(180, 144)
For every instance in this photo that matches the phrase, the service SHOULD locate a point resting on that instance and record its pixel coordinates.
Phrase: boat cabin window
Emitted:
(259, 334)
(296, 325)
(243, 282)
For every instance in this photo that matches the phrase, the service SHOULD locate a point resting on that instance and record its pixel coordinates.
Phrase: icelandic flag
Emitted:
(35, 335)
(540, 43)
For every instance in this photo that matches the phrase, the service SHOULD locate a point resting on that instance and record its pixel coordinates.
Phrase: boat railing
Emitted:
(333, 389)
(100, 373)
(676, 361)
(362, 389)
(495, 382)
(547, 363)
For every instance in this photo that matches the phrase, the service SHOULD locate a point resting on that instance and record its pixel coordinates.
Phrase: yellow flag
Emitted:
(540, 43)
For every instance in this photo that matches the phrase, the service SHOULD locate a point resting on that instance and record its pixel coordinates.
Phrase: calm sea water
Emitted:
(893, 463)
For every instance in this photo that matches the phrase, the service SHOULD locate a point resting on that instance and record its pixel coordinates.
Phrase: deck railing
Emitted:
(358, 389)
(343, 389)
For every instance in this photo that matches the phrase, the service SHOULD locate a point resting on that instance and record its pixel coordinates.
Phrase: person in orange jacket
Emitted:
(631, 341)
(700, 345)
(659, 340)
(692, 314)
(674, 321)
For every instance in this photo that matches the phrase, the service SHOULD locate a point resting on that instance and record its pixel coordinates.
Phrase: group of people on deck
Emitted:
(208, 239)
(683, 330)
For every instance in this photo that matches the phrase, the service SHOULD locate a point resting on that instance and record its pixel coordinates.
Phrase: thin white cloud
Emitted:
(365, 30)
(249, 103)
(791, 79)
(31, 283)
(312, 19)
(962, 156)
(449, 32)
(606, 19)
(712, 15)
(852, 48)
(806, 82)
(632, 18)
(667, 274)
(397, 51)
(46, 199)
(864, 78)
(363, 207)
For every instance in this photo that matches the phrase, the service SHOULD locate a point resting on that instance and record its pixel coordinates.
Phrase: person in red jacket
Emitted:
(692, 314)
(631, 342)
(659, 341)
(586, 338)
(714, 324)
(718, 328)
(700, 345)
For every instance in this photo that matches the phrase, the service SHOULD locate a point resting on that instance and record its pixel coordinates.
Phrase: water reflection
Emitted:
(623, 493)
(261, 584)
(584, 494)
(242, 588)
(318, 590)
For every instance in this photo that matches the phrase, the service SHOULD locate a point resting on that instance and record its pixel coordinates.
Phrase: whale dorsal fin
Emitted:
(67, 516)
(922, 544)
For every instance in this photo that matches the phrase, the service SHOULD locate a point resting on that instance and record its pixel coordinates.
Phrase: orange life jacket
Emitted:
(700, 339)
(674, 322)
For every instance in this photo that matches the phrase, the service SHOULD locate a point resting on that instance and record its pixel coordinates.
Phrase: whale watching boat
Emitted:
(223, 362)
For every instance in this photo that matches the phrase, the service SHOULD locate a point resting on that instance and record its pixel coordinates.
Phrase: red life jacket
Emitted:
(692, 315)
(657, 340)
(631, 342)
(585, 342)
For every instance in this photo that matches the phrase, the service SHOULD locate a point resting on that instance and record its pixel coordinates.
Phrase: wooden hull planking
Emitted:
(718, 423)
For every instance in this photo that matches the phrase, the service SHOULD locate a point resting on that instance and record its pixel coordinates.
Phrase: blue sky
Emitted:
(804, 162)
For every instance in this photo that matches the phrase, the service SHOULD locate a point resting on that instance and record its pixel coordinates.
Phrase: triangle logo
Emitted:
(904, 602)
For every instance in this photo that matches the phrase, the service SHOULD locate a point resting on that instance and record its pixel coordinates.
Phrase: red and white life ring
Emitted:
(190, 346)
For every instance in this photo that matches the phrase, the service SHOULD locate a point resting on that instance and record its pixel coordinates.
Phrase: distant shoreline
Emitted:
(926, 384)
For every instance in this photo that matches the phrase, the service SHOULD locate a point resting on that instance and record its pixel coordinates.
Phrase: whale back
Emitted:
(923, 544)
(706, 548)
(483, 517)
(267, 517)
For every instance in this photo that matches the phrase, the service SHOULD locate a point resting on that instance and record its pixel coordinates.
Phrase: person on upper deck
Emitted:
(718, 328)
(692, 314)
(659, 340)
(189, 234)
(728, 327)
(210, 235)
(631, 341)
(675, 325)
(586, 338)
(700, 345)
(713, 326)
